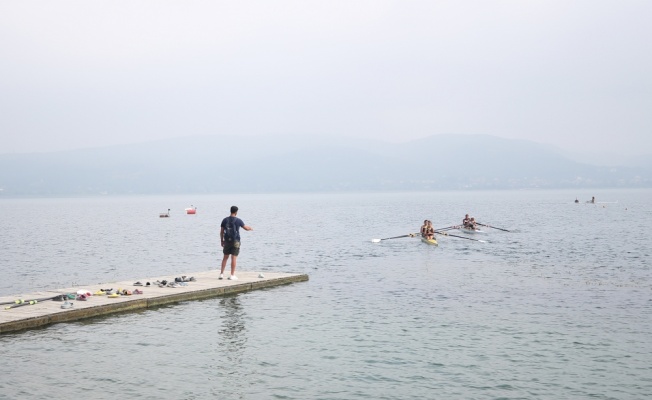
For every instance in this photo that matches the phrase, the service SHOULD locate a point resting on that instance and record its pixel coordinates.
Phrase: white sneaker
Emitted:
(221, 276)
(233, 278)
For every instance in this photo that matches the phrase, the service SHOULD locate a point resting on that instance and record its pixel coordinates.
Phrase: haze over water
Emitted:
(559, 308)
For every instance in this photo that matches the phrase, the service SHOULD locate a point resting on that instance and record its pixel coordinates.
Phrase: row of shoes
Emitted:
(124, 292)
(83, 295)
(117, 293)
(127, 292)
(181, 281)
(171, 284)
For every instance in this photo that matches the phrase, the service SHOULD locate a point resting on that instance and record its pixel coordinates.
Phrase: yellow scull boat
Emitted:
(432, 242)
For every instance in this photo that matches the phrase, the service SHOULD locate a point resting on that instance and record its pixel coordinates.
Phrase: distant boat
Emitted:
(165, 215)
(191, 210)
(470, 229)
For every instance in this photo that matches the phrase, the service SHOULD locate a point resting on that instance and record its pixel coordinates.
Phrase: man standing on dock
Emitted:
(230, 238)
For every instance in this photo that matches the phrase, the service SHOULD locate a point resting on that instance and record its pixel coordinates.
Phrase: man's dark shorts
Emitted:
(232, 248)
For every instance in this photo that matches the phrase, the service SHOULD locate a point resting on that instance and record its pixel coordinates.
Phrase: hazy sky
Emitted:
(576, 74)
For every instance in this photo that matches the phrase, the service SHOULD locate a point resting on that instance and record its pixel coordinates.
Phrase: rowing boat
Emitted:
(432, 242)
(467, 229)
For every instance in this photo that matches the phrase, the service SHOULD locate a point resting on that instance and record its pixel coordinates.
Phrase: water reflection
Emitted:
(232, 334)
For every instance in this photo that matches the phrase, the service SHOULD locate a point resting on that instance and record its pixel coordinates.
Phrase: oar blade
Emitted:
(493, 227)
(394, 237)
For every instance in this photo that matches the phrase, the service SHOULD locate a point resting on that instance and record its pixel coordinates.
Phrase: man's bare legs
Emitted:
(233, 263)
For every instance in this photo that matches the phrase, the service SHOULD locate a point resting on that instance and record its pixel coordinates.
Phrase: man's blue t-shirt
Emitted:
(232, 227)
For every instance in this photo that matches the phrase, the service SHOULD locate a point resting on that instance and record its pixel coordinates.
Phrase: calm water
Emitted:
(560, 308)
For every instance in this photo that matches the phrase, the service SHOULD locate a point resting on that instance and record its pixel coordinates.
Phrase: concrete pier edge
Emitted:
(134, 303)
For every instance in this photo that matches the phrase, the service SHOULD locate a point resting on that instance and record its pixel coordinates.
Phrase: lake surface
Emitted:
(560, 307)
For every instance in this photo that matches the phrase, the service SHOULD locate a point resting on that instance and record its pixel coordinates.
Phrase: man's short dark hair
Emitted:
(234, 209)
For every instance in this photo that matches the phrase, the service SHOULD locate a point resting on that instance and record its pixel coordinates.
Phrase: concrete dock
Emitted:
(206, 285)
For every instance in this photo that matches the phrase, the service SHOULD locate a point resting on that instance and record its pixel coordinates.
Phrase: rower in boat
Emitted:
(469, 222)
(465, 221)
(469, 225)
(424, 227)
(428, 234)
(429, 231)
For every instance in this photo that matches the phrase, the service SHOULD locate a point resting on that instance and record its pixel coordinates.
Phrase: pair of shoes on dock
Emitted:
(170, 284)
(231, 278)
(185, 279)
(66, 297)
(66, 305)
(140, 284)
(165, 283)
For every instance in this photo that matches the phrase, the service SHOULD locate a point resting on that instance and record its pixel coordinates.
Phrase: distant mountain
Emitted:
(295, 163)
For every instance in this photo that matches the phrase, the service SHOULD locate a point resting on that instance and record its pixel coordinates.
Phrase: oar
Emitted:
(20, 302)
(448, 228)
(17, 301)
(461, 237)
(493, 227)
(395, 237)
